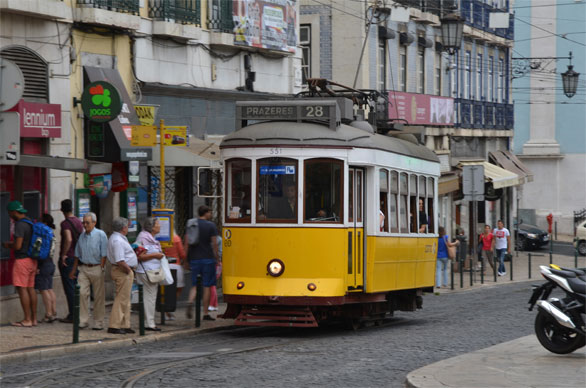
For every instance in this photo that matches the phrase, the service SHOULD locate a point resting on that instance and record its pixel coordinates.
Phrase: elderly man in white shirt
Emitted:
(123, 260)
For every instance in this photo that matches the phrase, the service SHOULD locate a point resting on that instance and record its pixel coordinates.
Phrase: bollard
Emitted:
(494, 267)
(162, 303)
(482, 270)
(461, 273)
(472, 266)
(556, 229)
(452, 274)
(511, 267)
(140, 310)
(550, 251)
(198, 301)
(576, 252)
(529, 261)
(76, 315)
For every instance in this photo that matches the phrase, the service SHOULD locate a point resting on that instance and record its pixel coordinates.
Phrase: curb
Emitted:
(61, 350)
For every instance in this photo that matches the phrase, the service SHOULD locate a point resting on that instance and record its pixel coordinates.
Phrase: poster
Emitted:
(268, 24)
(132, 212)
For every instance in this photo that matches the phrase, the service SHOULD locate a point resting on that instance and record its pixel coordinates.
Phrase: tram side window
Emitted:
(430, 210)
(422, 203)
(403, 195)
(323, 190)
(413, 205)
(277, 190)
(383, 200)
(238, 186)
(394, 218)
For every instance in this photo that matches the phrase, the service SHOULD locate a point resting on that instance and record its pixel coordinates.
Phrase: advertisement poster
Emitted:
(132, 213)
(268, 24)
(421, 109)
(165, 232)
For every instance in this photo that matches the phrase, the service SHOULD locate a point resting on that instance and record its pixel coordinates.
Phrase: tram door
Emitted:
(356, 229)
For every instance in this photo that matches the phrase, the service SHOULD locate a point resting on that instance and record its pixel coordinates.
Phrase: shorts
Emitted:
(44, 279)
(206, 268)
(23, 272)
(180, 276)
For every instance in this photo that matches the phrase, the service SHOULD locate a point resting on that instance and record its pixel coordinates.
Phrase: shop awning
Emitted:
(509, 161)
(499, 177)
(65, 164)
(448, 183)
(199, 153)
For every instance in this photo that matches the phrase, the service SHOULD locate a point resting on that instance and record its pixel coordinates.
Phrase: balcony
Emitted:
(476, 15)
(484, 115)
(118, 13)
(124, 6)
(183, 12)
(43, 9)
(220, 17)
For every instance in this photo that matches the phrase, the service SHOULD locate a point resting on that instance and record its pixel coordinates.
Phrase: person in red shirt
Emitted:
(486, 240)
(176, 256)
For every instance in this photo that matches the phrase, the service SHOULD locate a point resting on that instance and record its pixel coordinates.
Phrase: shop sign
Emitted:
(141, 154)
(421, 109)
(101, 102)
(146, 113)
(38, 120)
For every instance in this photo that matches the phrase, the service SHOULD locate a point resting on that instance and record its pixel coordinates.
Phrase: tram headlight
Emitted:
(275, 267)
(311, 287)
(240, 285)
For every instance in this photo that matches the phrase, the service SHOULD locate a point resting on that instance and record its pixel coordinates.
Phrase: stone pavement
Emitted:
(56, 338)
(519, 363)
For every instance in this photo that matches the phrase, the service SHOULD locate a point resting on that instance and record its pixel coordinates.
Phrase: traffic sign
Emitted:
(175, 136)
(473, 182)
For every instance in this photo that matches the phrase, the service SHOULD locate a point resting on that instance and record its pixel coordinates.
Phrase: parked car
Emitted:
(530, 237)
(581, 238)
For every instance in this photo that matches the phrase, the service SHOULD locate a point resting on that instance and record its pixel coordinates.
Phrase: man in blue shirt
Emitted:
(90, 257)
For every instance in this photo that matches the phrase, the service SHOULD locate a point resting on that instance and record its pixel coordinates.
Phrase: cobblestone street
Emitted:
(449, 325)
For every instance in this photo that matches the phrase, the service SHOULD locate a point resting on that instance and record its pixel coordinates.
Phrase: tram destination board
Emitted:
(321, 111)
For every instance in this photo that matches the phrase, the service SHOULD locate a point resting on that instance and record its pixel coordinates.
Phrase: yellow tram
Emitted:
(323, 217)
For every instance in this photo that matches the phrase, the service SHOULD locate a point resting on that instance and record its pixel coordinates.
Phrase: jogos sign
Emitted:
(101, 102)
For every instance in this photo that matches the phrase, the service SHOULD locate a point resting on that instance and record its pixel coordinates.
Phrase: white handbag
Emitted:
(168, 280)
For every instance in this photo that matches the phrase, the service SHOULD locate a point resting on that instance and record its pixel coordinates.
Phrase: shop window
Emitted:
(430, 202)
(238, 190)
(323, 190)
(403, 195)
(277, 190)
(383, 200)
(394, 215)
(413, 204)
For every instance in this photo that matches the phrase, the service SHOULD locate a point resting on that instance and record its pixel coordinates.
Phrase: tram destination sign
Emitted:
(326, 111)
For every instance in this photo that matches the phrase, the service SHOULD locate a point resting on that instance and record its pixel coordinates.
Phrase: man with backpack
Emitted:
(25, 267)
(71, 228)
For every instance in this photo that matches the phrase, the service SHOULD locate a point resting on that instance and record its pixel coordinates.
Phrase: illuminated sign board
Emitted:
(101, 102)
(326, 111)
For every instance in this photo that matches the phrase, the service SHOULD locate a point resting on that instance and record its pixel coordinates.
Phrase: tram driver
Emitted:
(284, 207)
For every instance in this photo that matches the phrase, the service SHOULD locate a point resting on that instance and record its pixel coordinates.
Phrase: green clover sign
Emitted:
(101, 102)
(102, 99)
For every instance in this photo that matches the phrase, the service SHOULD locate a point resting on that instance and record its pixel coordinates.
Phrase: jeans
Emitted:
(441, 268)
(500, 254)
(68, 284)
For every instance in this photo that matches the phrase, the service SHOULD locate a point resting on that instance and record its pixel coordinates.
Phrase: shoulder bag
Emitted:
(154, 275)
(451, 250)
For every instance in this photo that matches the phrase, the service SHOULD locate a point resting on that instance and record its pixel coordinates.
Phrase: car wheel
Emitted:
(582, 247)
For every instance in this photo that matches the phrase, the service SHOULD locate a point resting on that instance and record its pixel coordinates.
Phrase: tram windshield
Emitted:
(277, 190)
(323, 190)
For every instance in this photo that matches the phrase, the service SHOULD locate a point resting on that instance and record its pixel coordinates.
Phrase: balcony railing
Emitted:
(178, 11)
(220, 16)
(484, 115)
(126, 6)
(476, 14)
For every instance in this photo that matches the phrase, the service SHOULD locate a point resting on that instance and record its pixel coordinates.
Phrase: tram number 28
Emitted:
(316, 111)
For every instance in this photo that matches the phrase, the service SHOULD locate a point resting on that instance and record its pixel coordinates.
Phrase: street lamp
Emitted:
(452, 27)
(570, 80)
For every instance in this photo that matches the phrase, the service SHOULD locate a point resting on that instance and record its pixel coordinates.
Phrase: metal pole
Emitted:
(550, 251)
(76, 315)
(529, 265)
(140, 310)
(461, 272)
(472, 265)
(162, 162)
(481, 269)
(198, 301)
(555, 224)
(511, 267)
(452, 273)
(494, 260)
(576, 252)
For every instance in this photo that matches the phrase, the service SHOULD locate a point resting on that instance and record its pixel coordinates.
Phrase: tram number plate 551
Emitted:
(275, 151)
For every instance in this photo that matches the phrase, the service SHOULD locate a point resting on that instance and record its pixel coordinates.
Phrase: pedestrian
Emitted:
(502, 244)
(71, 228)
(25, 267)
(202, 260)
(441, 272)
(123, 260)
(44, 278)
(213, 289)
(150, 259)
(486, 245)
(91, 251)
(176, 256)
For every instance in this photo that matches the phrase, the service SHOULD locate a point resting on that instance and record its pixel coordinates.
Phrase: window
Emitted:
(454, 75)
(479, 95)
(382, 65)
(467, 75)
(238, 190)
(501, 77)
(413, 204)
(277, 190)
(305, 43)
(403, 193)
(490, 91)
(394, 218)
(383, 200)
(402, 68)
(422, 216)
(323, 190)
(438, 75)
(421, 70)
(430, 209)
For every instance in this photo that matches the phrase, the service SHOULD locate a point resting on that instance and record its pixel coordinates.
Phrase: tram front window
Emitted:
(238, 184)
(277, 190)
(323, 190)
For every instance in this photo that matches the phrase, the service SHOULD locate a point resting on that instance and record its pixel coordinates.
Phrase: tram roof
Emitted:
(305, 134)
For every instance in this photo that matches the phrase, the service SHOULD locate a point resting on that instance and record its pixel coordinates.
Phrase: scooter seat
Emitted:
(563, 273)
(577, 271)
(577, 285)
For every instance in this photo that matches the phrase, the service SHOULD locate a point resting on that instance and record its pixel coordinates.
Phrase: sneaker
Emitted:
(504, 273)
(170, 316)
(212, 308)
(208, 318)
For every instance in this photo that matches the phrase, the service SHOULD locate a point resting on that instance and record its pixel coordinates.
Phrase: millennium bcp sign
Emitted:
(101, 102)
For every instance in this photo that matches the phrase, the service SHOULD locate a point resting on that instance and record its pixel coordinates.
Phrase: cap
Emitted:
(16, 206)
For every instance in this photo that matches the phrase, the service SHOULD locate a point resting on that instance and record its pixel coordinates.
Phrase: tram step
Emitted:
(276, 317)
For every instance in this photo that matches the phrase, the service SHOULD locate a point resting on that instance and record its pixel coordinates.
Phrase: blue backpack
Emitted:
(41, 245)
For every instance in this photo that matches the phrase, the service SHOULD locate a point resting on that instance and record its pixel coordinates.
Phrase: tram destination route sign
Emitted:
(326, 111)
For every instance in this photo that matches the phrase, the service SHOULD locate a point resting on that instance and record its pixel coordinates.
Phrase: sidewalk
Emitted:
(519, 363)
(53, 339)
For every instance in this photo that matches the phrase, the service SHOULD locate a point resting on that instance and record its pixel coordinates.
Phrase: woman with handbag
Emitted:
(149, 272)
(446, 250)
